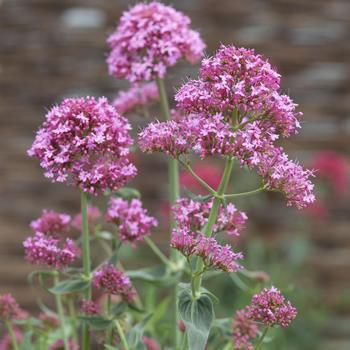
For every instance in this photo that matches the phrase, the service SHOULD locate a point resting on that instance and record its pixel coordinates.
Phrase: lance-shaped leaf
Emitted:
(70, 286)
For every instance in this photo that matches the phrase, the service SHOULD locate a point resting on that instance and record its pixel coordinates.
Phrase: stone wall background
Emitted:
(50, 49)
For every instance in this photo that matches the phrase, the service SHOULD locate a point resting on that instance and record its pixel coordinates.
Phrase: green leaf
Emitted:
(135, 334)
(70, 286)
(199, 198)
(99, 323)
(127, 193)
(26, 343)
(158, 274)
(110, 347)
(197, 315)
(118, 309)
(108, 236)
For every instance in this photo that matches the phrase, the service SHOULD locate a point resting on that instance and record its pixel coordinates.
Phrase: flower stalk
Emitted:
(261, 339)
(173, 173)
(12, 335)
(86, 263)
(122, 335)
(60, 312)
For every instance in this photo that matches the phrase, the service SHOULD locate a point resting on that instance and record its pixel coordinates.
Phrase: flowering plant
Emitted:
(234, 111)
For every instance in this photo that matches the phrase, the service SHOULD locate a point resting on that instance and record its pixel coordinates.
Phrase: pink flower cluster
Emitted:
(244, 331)
(85, 142)
(149, 39)
(9, 308)
(90, 307)
(236, 80)
(193, 216)
(136, 96)
(50, 251)
(93, 214)
(48, 320)
(213, 254)
(59, 345)
(235, 110)
(271, 308)
(51, 223)
(113, 281)
(131, 218)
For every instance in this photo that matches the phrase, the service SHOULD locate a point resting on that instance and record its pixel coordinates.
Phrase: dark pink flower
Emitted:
(49, 320)
(51, 223)
(9, 308)
(112, 281)
(194, 215)
(213, 254)
(85, 142)
(59, 345)
(132, 219)
(149, 39)
(50, 251)
(150, 343)
(271, 308)
(90, 307)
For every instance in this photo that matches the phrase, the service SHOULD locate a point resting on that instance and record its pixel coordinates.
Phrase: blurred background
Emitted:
(52, 49)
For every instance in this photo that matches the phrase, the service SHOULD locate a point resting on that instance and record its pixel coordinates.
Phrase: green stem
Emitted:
(213, 216)
(86, 263)
(12, 335)
(198, 178)
(60, 312)
(122, 335)
(260, 340)
(109, 334)
(73, 317)
(228, 346)
(245, 194)
(173, 171)
(157, 251)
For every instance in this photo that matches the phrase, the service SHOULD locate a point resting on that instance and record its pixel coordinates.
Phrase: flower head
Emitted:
(149, 39)
(51, 223)
(271, 308)
(150, 343)
(244, 331)
(132, 219)
(113, 281)
(93, 214)
(49, 320)
(84, 141)
(193, 216)
(59, 345)
(50, 251)
(136, 96)
(213, 254)
(90, 307)
(9, 308)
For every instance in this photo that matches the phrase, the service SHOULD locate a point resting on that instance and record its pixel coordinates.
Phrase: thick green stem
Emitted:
(12, 335)
(121, 335)
(60, 312)
(208, 229)
(73, 318)
(86, 263)
(173, 171)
